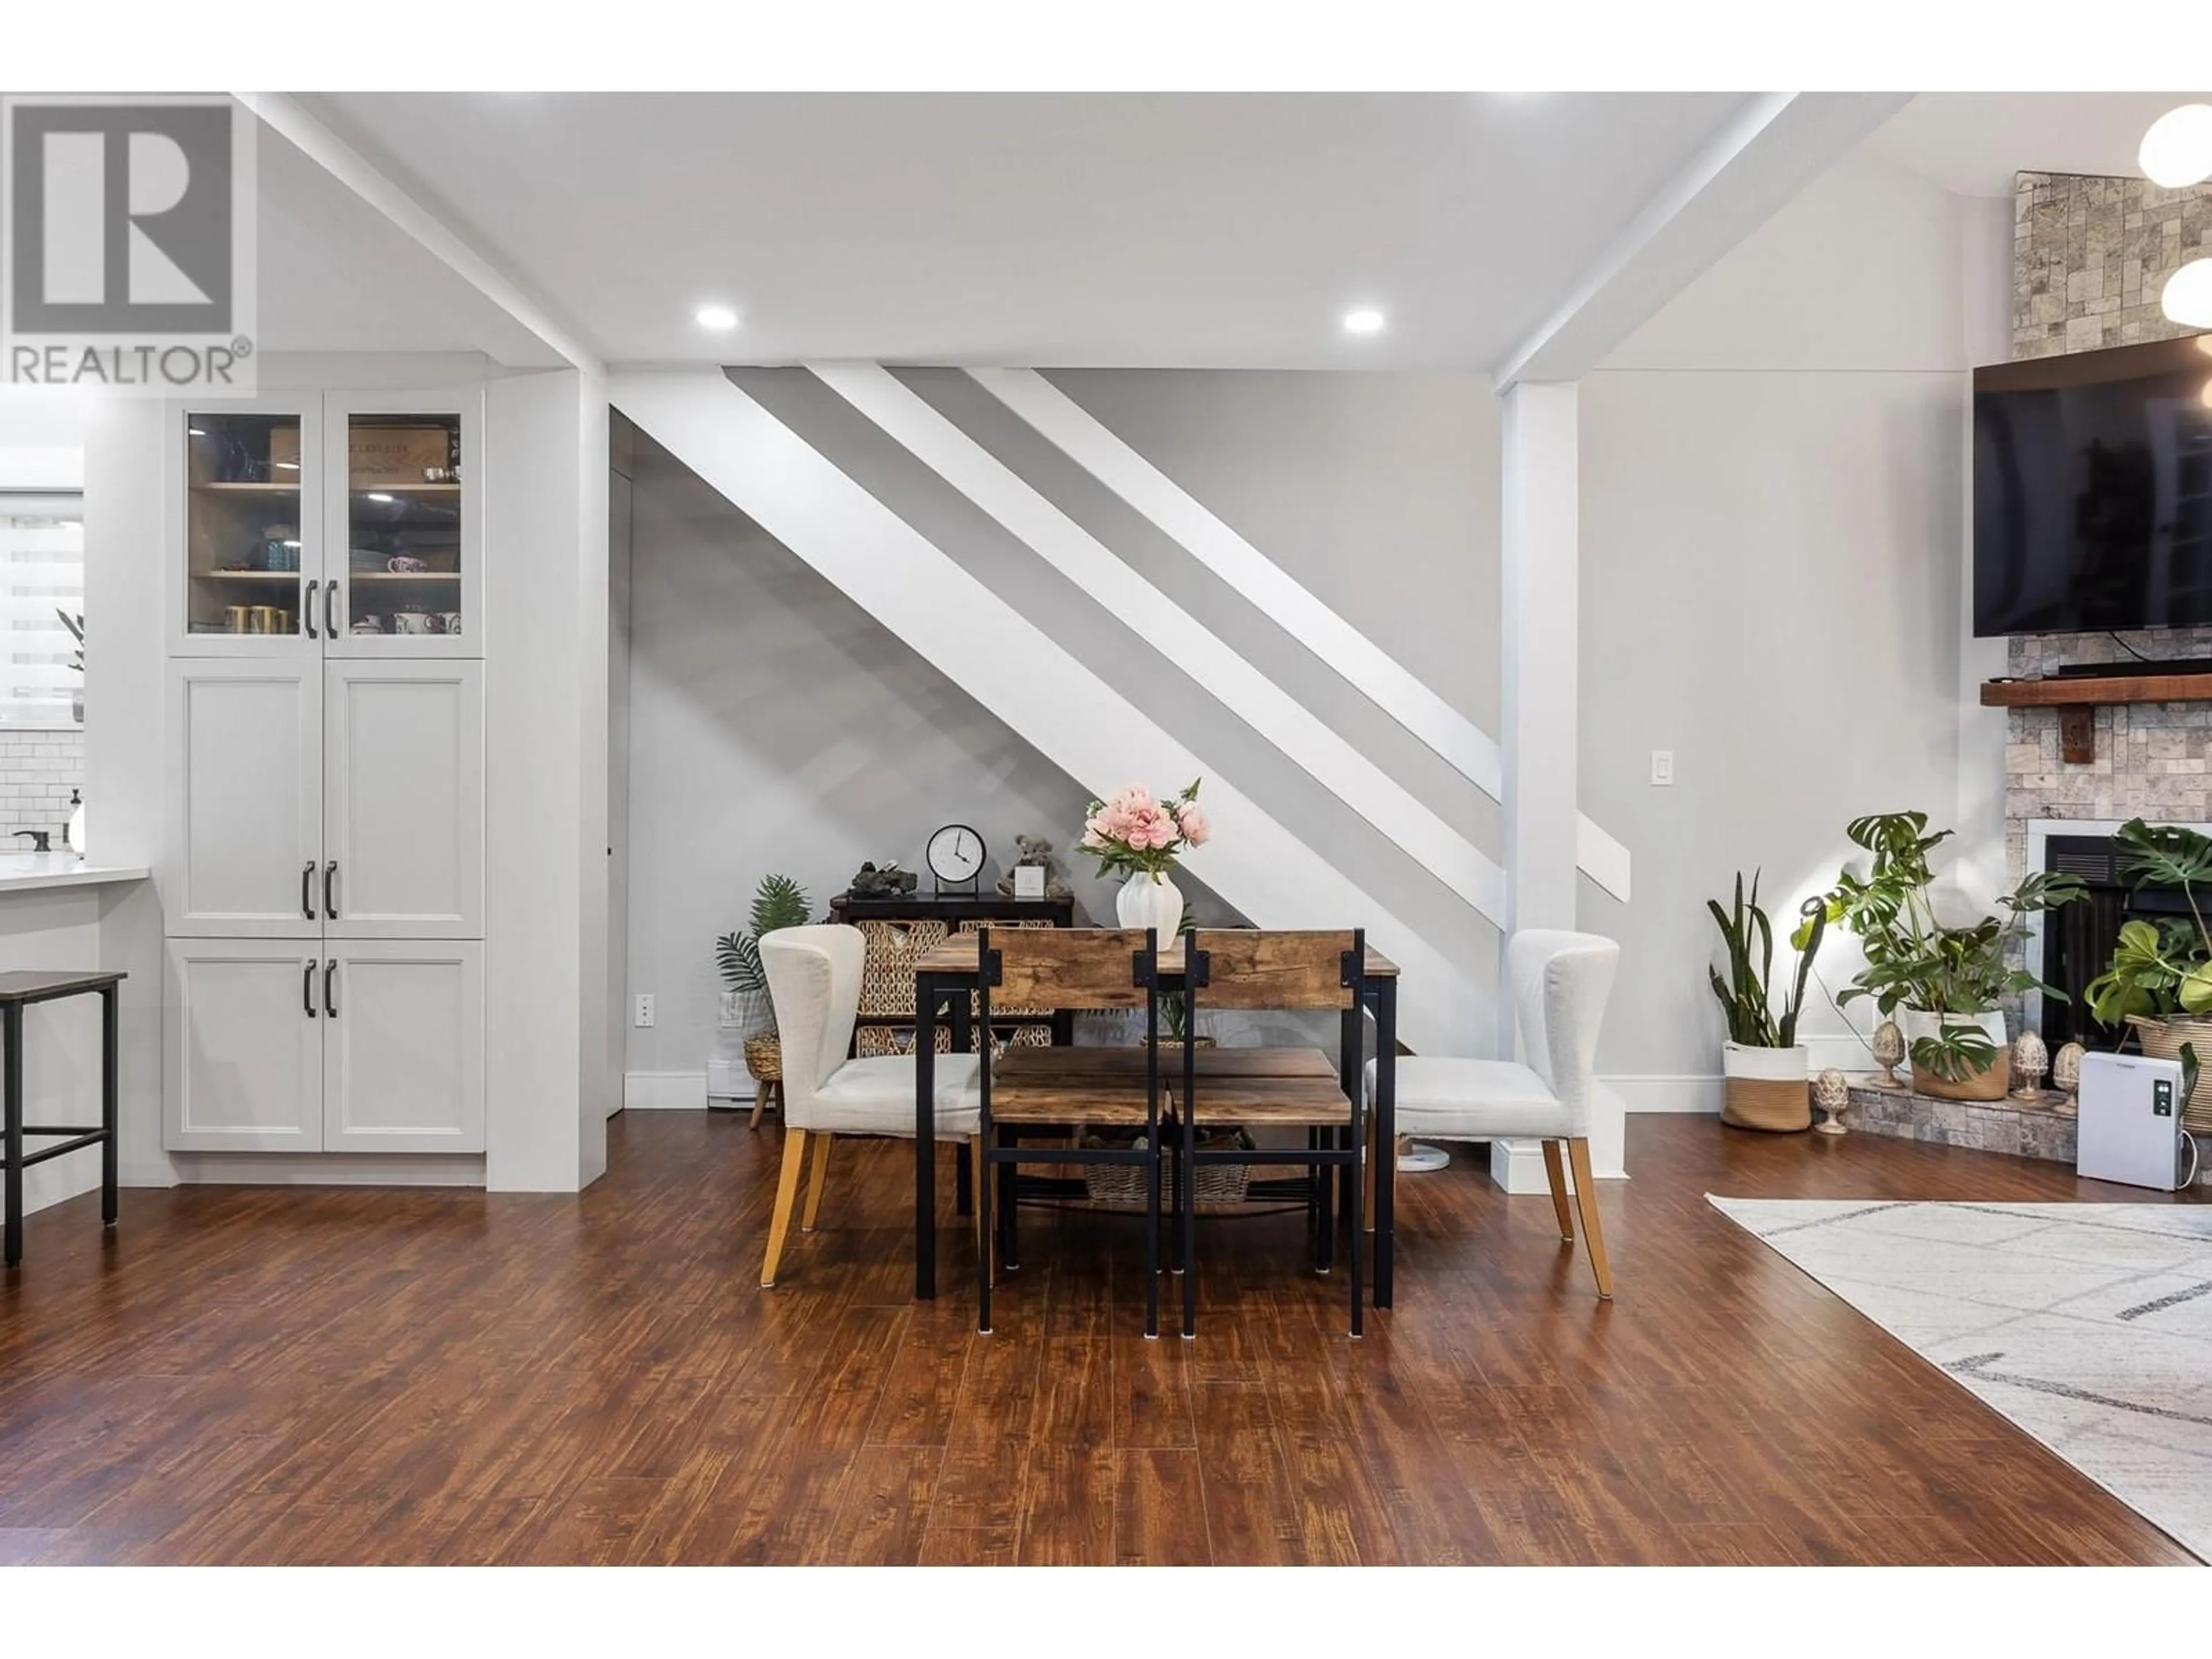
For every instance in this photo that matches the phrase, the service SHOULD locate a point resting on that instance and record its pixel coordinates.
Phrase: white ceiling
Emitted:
(1128, 230)
(1973, 143)
(336, 275)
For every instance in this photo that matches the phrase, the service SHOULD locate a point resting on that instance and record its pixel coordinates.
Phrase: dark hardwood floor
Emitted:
(290, 1374)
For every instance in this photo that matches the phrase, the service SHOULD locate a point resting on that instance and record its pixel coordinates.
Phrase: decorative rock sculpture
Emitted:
(1034, 851)
(2066, 1073)
(889, 882)
(1830, 1096)
(2030, 1061)
(1889, 1051)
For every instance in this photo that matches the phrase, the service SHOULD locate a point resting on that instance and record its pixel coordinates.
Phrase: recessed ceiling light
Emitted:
(2176, 151)
(1364, 320)
(720, 319)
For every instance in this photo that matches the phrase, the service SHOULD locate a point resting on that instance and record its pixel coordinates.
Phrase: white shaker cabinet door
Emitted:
(403, 825)
(402, 1047)
(243, 1030)
(243, 856)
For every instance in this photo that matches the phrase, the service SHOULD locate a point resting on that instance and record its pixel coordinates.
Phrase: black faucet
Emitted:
(38, 841)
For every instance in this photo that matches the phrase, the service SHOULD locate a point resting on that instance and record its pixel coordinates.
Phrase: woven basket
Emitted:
(887, 969)
(1778, 1107)
(764, 1059)
(1217, 1184)
(2162, 1039)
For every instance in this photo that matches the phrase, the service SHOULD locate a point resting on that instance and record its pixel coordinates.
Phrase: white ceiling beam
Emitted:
(283, 114)
(1776, 146)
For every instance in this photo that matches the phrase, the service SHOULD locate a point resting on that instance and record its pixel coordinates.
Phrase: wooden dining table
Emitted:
(944, 983)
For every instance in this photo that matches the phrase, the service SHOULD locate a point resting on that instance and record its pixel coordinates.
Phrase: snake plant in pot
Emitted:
(1765, 1064)
(1945, 983)
(2160, 979)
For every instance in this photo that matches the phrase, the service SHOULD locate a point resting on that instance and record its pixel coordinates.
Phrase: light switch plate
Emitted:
(1663, 767)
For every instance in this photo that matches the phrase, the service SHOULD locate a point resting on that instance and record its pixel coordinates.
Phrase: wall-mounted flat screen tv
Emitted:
(2092, 490)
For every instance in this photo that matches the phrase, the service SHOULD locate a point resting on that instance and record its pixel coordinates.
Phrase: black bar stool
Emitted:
(18, 991)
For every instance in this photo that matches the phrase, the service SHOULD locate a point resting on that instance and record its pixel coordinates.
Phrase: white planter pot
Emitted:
(1766, 1088)
(1766, 1065)
(1917, 1023)
(1153, 902)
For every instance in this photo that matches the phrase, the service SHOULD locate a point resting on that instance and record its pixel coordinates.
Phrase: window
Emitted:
(41, 581)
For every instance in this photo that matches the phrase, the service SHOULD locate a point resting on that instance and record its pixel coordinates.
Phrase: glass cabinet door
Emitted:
(250, 500)
(403, 523)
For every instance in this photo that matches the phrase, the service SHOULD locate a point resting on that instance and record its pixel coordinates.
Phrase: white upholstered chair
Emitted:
(814, 982)
(1558, 982)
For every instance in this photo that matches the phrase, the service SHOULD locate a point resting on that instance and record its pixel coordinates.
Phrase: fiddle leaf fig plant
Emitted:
(2163, 969)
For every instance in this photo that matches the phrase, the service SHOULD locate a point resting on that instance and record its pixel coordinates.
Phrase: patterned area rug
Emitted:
(2087, 1325)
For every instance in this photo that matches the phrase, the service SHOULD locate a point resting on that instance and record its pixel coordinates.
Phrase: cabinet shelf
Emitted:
(292, 577)
(407, 489)
(360, 576)
(291, 489)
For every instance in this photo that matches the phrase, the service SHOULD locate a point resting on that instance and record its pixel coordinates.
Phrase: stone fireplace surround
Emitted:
(2089, 257)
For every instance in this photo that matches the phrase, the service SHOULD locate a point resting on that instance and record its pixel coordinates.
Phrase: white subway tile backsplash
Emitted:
(38, 771)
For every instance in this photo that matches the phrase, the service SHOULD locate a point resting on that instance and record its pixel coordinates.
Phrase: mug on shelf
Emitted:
(404, 564)
(368, 625)
(269, 619)
(418, 621)
(235, 617)
(451, 620)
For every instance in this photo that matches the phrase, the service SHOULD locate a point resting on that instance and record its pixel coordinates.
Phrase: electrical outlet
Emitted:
(1663, 767)
(643, 1016)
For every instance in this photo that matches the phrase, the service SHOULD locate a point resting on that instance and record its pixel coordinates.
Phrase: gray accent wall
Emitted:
(776, 726)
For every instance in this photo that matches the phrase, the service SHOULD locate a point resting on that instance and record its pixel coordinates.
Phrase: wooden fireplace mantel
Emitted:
(2078, 696)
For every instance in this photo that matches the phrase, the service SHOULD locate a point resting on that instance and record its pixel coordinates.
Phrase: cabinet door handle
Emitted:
(307, 989)
(308, 613)
(307, 891)
(330, 608)
(330, 996)
(330, 889)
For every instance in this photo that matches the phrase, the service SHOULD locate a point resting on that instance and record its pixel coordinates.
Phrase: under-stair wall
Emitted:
(981, 543)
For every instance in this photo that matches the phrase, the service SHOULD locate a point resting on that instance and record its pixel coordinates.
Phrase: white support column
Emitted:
(1539, 617)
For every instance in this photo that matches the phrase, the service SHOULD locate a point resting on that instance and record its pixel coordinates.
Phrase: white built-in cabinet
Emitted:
(323, 870)
(365, 1046)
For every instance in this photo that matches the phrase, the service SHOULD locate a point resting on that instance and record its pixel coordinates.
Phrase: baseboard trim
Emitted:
(664, 1092)
(329, 1169)
(1686, 1092)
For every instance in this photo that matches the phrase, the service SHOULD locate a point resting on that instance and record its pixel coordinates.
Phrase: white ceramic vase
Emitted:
(1153, 902)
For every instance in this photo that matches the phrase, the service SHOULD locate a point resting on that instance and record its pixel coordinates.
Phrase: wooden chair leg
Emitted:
(814, 1185)
(786, 1195)
(1556, 1174)
(975, 1151)
(1586, 1201)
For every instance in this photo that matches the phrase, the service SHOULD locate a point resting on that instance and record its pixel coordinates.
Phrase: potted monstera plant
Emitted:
(1946, 984)
(2159, 980)
(1765, 1064)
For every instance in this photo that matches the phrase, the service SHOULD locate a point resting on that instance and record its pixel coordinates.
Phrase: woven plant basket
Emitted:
(1990, 1084)
(764, 1059)
(887, 966)
(1766, 1089)
(2162, 1039)
(1219, 1184)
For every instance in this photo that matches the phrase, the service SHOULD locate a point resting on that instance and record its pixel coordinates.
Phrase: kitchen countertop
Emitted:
(28, 873)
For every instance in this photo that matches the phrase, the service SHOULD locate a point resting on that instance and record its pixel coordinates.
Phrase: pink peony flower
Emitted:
(1195, 827)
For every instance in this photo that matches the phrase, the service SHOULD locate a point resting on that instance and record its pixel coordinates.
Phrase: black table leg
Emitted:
(1386, 1133)
(924, 1137)
(110, 1156)
(964, 1182)
(11, 1102)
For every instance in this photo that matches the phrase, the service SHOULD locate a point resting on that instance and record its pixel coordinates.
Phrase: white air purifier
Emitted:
(2130, 1123)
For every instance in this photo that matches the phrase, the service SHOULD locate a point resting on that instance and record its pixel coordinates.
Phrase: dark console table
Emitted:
(900, 929)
